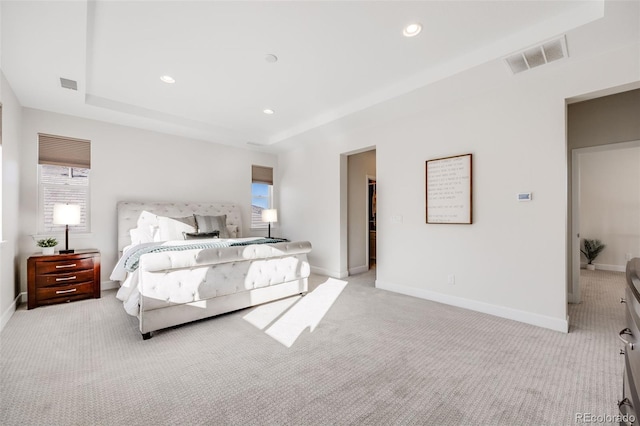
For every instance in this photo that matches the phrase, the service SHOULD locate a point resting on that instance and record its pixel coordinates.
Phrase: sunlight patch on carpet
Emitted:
(285, 320)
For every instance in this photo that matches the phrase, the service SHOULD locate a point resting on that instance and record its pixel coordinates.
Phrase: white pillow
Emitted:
(170, 228)
(137, 236)
(144, 234)
(154, 230)
(147, 229)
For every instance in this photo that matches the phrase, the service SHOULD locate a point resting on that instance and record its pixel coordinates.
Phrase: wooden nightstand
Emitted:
(61, 278)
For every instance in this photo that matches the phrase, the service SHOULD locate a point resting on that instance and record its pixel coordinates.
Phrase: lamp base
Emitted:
(67, 251)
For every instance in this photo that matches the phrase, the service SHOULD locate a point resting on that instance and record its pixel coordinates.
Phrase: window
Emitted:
(64, 165)
(261, 194)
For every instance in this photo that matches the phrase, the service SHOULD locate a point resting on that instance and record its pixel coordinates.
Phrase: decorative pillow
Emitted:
(172, 228)
(213, 223)
(197, 235)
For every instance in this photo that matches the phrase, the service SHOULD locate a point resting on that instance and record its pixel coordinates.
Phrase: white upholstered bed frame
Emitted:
(236, 277)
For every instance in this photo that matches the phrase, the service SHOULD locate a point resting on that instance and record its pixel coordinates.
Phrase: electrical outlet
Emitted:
(451, 279)
(628, 257)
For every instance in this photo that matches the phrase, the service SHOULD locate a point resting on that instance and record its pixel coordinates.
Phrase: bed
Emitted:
(182, 262)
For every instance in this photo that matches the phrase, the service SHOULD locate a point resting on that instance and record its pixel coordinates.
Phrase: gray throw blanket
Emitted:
(133, 261)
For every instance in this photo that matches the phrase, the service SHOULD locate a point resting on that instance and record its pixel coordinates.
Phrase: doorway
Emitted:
(362, 209)
(596, 122)
(605, 206)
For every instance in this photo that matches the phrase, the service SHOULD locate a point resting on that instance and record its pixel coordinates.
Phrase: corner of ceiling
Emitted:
(586, 13)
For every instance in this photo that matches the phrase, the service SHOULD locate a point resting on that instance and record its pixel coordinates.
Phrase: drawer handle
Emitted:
(626, 342)
(66, 291)
(66, 266)
(66, 279)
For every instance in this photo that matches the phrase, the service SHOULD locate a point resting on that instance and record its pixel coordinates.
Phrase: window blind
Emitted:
(63, 151)
(261, 174)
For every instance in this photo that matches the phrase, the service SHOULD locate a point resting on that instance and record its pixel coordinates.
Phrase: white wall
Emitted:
(511, 261)
(9, 260)
(360, 166)
(133, 164)
(610, 203)
(310, 204)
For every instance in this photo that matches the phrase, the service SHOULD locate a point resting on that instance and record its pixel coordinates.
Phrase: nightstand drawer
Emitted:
(64, 279)
(64, 265)
(59, 294)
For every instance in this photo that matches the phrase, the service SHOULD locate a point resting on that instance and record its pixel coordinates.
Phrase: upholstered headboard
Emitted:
(129, 212)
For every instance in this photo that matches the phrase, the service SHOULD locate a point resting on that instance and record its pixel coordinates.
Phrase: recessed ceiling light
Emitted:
(268, 111)
(167, 79)
(412, 30)
(270, 58)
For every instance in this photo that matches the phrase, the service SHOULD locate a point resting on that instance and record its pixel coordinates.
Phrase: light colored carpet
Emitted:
(375, 358)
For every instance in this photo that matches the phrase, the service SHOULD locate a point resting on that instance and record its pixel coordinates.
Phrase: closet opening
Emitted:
(371, 186)
(362, 211)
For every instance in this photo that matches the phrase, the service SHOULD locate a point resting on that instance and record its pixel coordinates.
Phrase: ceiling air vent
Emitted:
(68, 84)
(532, 57)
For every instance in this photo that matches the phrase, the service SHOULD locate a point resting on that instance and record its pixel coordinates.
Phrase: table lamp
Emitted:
(269, 215)
(66, 214)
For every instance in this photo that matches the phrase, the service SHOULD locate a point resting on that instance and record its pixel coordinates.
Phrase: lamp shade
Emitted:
(269, 215)
(66, 214)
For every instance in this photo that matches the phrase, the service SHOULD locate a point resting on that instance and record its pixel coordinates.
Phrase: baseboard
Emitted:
(614, 268)
(109, 285)
(359, 270)
(605, 267)
(328, 273)
(486, 308)
(8, 313)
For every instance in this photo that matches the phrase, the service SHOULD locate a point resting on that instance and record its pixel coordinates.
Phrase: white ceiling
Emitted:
(336, 58)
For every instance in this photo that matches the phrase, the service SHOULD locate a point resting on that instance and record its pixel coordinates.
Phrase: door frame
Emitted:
(575, 294)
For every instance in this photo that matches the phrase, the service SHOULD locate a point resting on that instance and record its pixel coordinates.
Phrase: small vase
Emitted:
(48, 250)
(591, 266)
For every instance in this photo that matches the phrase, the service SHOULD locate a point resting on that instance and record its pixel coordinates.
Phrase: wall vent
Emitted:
(542, 54)
(68, 84)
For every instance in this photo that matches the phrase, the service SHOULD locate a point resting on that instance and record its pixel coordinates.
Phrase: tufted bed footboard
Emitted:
(179, 287)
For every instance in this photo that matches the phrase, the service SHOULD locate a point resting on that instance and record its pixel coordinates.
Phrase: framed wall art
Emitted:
(448, 190)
